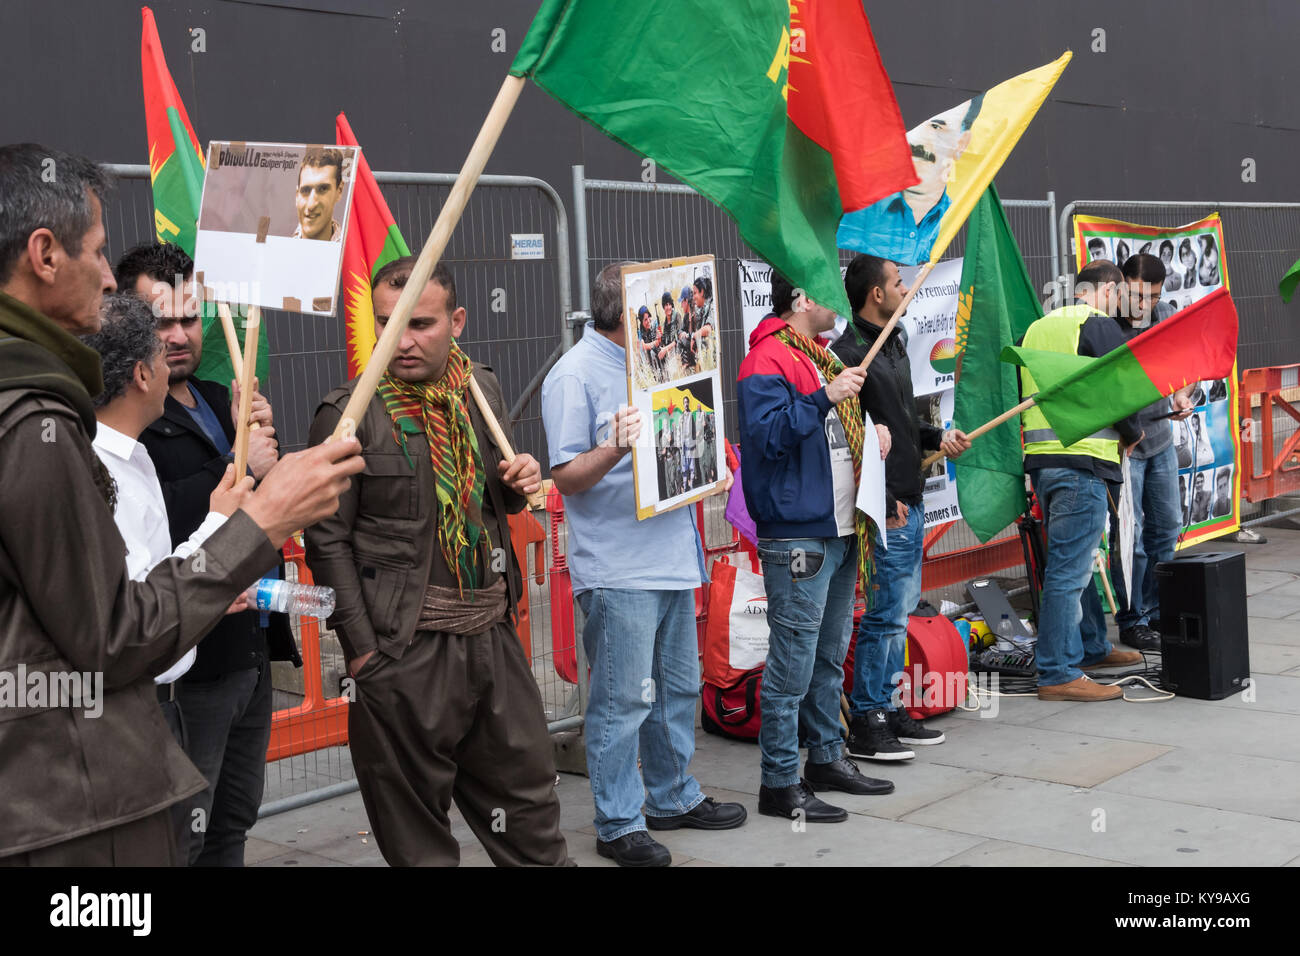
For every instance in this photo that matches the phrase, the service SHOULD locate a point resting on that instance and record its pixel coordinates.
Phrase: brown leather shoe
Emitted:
(1081, 688)
(1117, 658)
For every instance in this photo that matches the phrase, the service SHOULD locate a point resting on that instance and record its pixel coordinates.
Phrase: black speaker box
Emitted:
(1203, 624)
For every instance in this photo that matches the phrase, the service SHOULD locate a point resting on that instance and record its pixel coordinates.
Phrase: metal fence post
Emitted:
(1051, 231)
(580, 242)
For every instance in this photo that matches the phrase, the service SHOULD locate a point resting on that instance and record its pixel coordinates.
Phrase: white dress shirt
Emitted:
(141, 517)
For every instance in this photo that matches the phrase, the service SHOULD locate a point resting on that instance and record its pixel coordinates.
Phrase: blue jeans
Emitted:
(1074, 507)
(1157, 521)
(882, 635)
(809, 584)
(645, 681)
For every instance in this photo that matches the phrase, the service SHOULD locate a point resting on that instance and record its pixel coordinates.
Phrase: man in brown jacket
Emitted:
(419, 555)
(89, 782)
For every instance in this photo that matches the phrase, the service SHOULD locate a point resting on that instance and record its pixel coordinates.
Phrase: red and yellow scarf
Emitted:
(850, 413)
(440, 411)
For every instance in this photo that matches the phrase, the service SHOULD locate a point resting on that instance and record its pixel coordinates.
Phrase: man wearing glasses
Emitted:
(1153, 465)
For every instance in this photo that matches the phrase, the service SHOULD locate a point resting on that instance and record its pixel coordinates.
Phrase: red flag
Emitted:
(842, 100)
(373, 241)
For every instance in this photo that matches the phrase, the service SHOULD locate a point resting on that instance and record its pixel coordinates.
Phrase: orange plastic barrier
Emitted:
(1267, 470)
(318, 721)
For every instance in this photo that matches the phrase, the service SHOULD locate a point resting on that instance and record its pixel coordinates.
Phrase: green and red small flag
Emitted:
(1080, 395)
(373, 241)
(778, 111)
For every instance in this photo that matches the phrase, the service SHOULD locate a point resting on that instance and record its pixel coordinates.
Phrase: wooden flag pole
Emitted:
(536, 499)
(246, 390)
(232, 338)
(232, 341)
(448, 217)
(986, 427)
(898, 314)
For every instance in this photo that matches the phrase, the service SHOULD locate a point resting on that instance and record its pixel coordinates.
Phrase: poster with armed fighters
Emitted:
(674, 378)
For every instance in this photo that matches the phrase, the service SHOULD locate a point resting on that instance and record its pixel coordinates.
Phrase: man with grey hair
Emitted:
(134, 363)
(67, 602)
(639, 633)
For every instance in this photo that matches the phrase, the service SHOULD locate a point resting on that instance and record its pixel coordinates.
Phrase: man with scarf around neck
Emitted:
(89, 782)
(797, 411)
(446, 706)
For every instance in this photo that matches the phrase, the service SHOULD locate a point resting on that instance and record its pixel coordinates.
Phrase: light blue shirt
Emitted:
(889, 231)
(608, 546)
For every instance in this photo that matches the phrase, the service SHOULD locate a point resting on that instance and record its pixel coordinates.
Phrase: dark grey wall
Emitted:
(1182, 94)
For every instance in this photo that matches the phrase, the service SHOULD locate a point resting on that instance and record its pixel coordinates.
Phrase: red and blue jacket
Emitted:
(782, 407)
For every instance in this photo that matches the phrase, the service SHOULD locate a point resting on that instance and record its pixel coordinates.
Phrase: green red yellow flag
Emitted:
(1080, 395)
(175, 157)
(373, 241)
(176, 174)
(778, 111)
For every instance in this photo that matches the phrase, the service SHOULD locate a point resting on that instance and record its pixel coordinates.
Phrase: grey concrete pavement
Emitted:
(1183, 782)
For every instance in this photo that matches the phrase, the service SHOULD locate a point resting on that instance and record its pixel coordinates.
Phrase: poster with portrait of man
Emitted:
(674, 379)
(1207, 444)
(272, 222)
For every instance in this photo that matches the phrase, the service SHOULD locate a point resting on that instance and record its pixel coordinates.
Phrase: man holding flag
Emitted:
(803, 434)
(877, 729)
(1071, 486)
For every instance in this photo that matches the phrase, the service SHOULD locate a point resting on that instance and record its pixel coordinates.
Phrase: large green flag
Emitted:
(996, 304)
(779, 111)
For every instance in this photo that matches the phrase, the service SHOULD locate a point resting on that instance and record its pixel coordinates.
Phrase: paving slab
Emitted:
(1269, 631)
(1273, 658)
(1001, 853)
(859, 841)
(1278, 693)
(1137, 830)
(1026, 709)
(1059, 755)
(298, 858)
(1258, 582)
(1274, 605)
(1254, 785)
(1205, 727)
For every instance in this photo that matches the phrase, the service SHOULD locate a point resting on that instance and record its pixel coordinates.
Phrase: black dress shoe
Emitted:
(705, 815)
(637, 848)
(843, 775)
(798, 802)
(1141, 637)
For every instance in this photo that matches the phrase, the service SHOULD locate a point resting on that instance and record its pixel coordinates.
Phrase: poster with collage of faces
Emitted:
(1208, 442)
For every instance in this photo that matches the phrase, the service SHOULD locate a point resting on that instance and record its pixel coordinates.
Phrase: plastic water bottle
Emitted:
(302, 600)
(1005, 634)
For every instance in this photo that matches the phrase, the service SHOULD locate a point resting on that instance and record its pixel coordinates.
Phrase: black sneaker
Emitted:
(910, 731)
(871, 739)
(1141, 637)
(637, 848)
(705, 815)
(798, 803)
(843, 774)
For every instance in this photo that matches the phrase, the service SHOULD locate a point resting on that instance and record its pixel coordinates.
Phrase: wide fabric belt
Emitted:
(1047, 434)
(445, 610)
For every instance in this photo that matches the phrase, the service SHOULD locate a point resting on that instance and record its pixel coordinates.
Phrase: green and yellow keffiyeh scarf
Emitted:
(440, 411)
(850, 413)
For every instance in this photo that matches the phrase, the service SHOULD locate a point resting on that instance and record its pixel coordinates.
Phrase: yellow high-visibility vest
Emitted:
(1058, 331)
